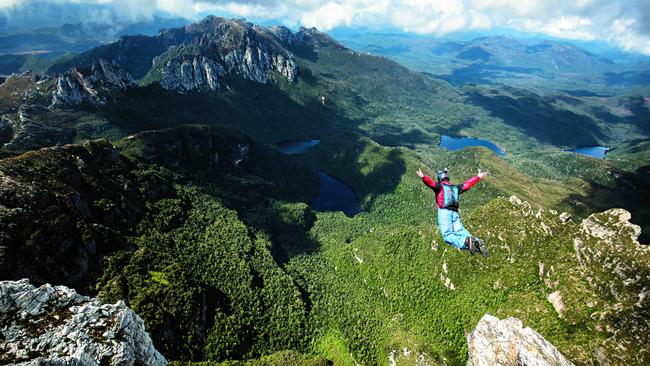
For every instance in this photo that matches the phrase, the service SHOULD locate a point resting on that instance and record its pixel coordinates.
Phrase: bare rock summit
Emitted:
(507, 342)
(53, 325)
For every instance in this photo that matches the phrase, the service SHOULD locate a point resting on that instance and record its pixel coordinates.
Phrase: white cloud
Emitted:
(625, 23)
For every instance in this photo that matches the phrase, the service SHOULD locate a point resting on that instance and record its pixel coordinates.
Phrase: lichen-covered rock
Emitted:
(92, 84)
(507, 342)
(54, 325)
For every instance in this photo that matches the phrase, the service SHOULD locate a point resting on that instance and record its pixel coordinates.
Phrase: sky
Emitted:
(621, 23)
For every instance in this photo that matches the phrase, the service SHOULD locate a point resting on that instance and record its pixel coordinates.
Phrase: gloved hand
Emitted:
(483, 173)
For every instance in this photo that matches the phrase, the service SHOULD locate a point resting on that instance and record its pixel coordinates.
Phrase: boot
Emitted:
(481, 247)
(470, 245)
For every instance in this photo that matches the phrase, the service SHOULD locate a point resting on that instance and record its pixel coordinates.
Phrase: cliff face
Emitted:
(507, 342)
(56, 326)
(93, 84)
(185, 74)
(203, 53)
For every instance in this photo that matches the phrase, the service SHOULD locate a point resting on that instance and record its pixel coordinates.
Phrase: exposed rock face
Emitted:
(56, 326)
(186, 74)
(202, 53)
(555, 298)
(507, 342)
(92, 84)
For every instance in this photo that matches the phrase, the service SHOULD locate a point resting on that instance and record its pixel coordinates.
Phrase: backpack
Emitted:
(450, 194)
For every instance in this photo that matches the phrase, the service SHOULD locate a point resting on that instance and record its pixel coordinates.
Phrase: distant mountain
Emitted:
(33, 49)
(540, 64)
(79, 37)
(548, 56)
(302, 84)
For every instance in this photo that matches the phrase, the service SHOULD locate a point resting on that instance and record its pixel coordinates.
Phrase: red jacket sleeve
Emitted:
(469, 183)
(429, 182)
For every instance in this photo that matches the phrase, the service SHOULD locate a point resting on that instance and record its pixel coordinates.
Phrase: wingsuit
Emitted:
(451, 227)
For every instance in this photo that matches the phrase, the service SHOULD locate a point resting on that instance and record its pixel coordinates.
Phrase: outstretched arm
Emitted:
(473, 180)
(426, 179)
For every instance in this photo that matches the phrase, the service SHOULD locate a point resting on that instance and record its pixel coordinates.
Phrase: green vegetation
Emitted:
(231, 264)
(206, 230)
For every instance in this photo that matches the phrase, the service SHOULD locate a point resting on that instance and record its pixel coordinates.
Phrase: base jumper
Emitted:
(451, 228)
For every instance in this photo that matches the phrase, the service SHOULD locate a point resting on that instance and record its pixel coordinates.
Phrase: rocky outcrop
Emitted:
(93, 84)
(54, 325)
(507, 342)
(185, 74)
(201, 54)
(617, 269)
(601, 281)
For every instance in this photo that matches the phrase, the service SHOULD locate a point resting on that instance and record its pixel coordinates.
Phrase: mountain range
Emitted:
(146, 170)
(535, 64)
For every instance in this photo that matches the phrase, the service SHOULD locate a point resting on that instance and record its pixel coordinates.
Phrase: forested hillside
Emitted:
(147, 170)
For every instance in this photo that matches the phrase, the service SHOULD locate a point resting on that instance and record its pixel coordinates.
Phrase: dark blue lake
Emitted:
(334, 195)
(457, 143)
(296, 147)
(595, 151)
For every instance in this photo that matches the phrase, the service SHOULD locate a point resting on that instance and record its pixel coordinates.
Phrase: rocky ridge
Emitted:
(507, 342)
(204, 52)
(602, 282)
(54, 325)
(200, 55)
(93, 84)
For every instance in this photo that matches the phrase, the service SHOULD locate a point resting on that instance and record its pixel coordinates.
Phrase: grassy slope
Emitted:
(380, 277)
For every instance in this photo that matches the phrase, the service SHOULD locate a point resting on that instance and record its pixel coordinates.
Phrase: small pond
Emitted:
(594, 151)
(295, 146)
(456, 143)
(334, 195)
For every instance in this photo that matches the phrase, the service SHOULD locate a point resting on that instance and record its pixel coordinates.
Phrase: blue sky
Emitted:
(622, 23)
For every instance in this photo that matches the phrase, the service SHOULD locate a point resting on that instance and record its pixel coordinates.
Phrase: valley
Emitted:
(250, 193)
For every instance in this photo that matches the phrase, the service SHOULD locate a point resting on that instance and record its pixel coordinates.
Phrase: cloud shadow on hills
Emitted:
(541, 120)
(481, 73)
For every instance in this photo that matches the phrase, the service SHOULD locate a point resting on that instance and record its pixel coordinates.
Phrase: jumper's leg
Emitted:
(451, 228)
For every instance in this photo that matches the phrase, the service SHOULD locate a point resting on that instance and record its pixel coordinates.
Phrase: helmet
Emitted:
(443, 174)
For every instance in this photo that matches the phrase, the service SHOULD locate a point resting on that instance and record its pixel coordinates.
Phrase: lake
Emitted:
(457, 143)
(594, 151)
(295, 146)
(334, 195)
